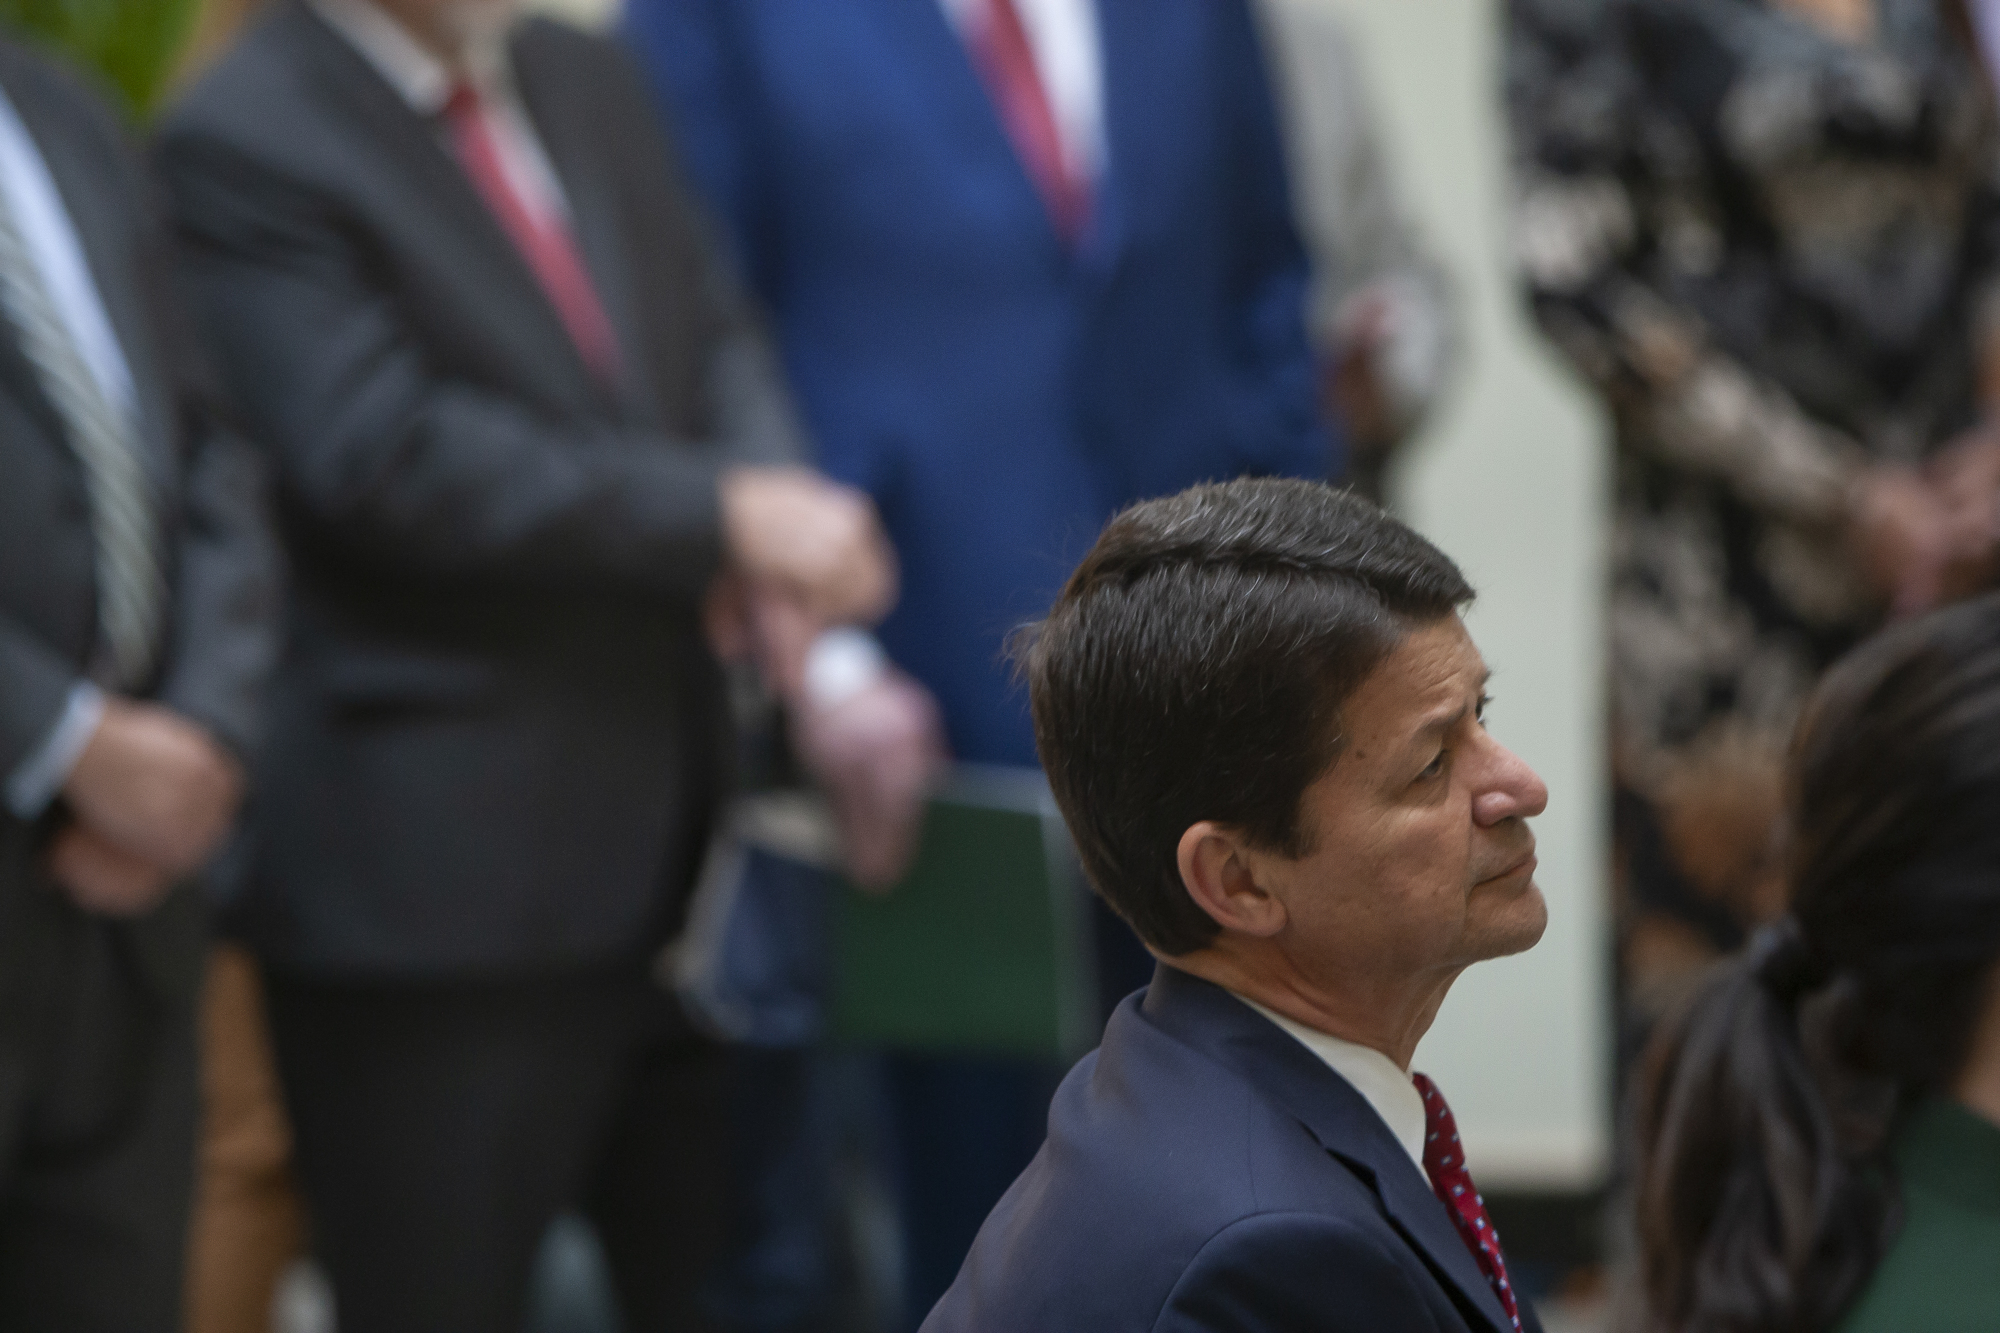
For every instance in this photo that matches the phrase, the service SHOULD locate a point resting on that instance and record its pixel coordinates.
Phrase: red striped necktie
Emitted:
(1444, 1162)
(544, 242)
(1006, 61)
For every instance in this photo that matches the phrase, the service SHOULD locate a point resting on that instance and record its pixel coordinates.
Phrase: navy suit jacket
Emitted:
(999, 394)
(1204, 1170)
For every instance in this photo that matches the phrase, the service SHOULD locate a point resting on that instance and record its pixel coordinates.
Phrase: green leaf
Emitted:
(130, 44)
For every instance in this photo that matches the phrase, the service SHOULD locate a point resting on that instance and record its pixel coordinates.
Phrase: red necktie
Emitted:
(1444, 1162)
(1006, 61)
(545, 244)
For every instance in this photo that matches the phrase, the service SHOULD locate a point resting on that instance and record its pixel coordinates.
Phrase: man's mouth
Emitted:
(1525, 863)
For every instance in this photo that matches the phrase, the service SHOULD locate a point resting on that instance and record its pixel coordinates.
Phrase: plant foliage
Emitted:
(130, 44)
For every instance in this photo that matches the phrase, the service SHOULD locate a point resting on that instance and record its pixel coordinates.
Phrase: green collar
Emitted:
(1950, 1150)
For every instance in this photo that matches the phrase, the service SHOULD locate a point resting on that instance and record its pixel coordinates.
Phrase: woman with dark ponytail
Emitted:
(1819, 1131)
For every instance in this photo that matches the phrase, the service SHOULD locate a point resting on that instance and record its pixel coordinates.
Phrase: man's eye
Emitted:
(1436, 766)
(1480, 712)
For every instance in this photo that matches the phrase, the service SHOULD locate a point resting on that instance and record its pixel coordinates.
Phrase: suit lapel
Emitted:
(946, 88)
(503, 297)
(1337, 1116)
(573, 148)
(1407, 1198)
(20, 381)
(1122, 37)
(98, 213)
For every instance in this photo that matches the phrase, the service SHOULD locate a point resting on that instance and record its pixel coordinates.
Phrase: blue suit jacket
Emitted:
(999, 395)
(1204, 1170)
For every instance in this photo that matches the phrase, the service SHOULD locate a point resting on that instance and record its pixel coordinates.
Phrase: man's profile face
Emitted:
(1421, 859)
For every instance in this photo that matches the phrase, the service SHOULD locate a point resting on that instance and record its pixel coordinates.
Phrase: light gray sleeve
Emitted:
(1363, 240)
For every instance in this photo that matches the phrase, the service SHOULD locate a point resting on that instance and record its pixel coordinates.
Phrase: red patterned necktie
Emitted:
(1444, 1162)
(1006, 61)
(545, 243)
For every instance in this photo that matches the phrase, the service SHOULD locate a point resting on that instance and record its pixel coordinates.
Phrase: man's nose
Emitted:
(1511, 791)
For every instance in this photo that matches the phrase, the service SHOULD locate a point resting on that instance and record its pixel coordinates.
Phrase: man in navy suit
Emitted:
(1004, 324)
(1027, 261)
(1261, 715)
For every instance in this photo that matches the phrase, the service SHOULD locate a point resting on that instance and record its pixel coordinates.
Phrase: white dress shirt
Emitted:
(1063, 35)
(425, 83)
(51, 240)
(1374, 1075)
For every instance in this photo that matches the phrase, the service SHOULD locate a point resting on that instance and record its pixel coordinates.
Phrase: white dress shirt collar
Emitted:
(425, 83)
(1383, 1085)
(405, 64)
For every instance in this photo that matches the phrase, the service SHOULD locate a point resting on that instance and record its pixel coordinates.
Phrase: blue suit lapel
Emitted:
(1123, 41)
(950, 92)
(1338, 1117)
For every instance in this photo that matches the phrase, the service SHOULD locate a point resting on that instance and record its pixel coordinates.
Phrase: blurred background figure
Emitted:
(1384, 316)
(248, 1228)
(1766, 234)
(524, 437)
(1028, 260)
(138, 617)
(1820, 1132)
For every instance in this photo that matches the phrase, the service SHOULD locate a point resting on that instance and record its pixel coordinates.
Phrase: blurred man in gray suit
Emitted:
(137, 619)
(524, 435)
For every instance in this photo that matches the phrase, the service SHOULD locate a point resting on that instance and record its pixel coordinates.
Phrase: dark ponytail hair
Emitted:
(1765, 1195)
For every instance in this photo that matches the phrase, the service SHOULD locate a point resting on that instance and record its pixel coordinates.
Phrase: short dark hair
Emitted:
(1194, 667)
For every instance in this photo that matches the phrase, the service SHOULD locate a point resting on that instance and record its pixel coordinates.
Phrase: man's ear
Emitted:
(1217, 868)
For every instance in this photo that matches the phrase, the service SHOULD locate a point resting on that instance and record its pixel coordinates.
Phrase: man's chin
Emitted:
(1516, 915)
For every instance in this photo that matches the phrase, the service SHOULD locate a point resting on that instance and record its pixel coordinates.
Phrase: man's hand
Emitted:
(791, 531)
(154, 787)
(1351, 385)
(102, 879)
(877, 753)
(761, 626)
(1900, 529)
(1966, 475)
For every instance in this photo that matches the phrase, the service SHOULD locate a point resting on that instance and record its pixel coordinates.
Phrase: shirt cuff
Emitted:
(32, 785)
(840, 664)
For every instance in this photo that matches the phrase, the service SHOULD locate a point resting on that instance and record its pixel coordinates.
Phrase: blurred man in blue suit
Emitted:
(1028, 260)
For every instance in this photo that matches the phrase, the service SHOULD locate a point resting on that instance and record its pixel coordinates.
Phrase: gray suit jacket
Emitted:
(497, 736)
(221, 562)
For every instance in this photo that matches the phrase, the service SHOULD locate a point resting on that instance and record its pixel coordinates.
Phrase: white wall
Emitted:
(1510, 479)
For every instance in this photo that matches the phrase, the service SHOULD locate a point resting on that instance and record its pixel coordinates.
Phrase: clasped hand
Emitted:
(807, 555)
(152, 797)
(789, 532)
(1931, 535)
